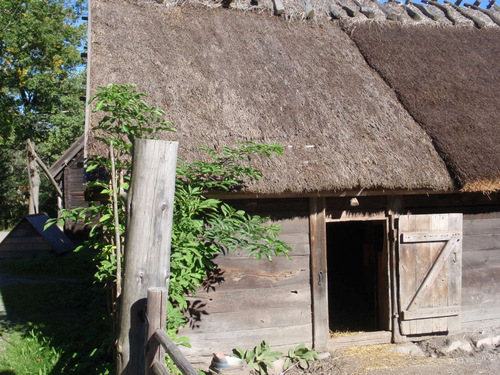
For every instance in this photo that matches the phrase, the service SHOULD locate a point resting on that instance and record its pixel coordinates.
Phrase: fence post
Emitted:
(157, 319)
(147, 245)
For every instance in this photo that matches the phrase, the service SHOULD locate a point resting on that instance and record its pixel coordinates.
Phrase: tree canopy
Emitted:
(41, 83)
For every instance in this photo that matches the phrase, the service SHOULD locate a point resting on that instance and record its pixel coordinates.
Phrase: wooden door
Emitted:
(430, 273)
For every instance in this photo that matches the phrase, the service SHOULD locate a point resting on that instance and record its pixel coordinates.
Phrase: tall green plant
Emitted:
(202, 227)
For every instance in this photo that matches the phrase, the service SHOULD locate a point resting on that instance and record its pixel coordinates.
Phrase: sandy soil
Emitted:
(384, 360)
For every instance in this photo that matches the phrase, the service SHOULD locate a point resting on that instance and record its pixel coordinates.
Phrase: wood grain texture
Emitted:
(148, 237)
(481, 270)
(250, 300)
(157, 319)
(319, 273)
(430, 273)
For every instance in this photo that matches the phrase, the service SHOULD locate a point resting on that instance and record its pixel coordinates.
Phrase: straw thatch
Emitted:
(449, 80)
(227, 76)
(354, 11)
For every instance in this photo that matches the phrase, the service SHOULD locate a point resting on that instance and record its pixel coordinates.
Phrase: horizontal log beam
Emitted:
(173, 352)
(159, 368)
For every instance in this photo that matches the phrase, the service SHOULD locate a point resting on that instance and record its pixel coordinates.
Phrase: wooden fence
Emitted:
(157, 341)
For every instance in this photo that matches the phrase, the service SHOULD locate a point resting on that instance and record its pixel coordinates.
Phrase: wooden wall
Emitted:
(24, 242)
(253, 300)
(74, 191)
(481, 271)
(480, 252)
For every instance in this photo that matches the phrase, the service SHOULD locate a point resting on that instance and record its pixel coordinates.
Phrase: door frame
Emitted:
(319, 269)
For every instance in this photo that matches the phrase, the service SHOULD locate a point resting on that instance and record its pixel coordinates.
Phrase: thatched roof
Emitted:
(226, 76)
(449, 80)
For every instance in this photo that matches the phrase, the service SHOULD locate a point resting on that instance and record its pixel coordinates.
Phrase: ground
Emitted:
(461, 354)
(431, 357)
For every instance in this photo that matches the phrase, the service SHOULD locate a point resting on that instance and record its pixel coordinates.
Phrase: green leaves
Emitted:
(229, 169)
(202, 227)
(127, 117)
(301, 356)
(41, 82)
(39, 58)
(260, 358)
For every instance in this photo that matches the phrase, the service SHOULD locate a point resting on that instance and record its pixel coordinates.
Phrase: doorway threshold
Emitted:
(360, 339)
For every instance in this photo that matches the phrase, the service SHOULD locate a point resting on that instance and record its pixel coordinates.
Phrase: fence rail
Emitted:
(158, 342)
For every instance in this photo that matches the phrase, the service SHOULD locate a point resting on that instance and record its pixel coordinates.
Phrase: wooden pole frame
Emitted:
(319, 272)
(148, 239)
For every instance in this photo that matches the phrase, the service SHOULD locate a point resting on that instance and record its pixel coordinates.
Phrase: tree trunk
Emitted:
(34, 180)
(147, 245)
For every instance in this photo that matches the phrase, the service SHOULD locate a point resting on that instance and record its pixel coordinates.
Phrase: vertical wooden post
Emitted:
(147, 244)
(317, 233)
(157, 318)
(34, 181)
(394, 210)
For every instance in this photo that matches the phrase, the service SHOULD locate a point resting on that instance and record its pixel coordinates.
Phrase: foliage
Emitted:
(202, 227)
(300, 355)
(27, 354)
(260, 358)
(41, 82)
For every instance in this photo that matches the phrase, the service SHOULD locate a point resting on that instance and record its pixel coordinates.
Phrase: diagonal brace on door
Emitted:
(451, 240)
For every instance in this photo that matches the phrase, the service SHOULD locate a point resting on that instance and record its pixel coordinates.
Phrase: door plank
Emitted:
(429, 257)
(432, 312)
(432, 275)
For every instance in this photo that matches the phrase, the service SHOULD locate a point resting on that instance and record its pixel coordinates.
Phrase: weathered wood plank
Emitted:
(294, 226)
(208, 343)
(24, 254)
(480, 277)
(480, 225)
(413, 237)
(159, 368)
(157, 318)
(278, 264)
(432, 312)
(245, 300)
(242, 280)
(482, 312)
(473, 243)
(454, 271)
(481, 295)
(276, 209)
(275, 317)
(319, 273)
(480, 325)
(175, 353)
(36, 239)
(437, 268)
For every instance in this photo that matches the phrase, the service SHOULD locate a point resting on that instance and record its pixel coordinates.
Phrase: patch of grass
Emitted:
(65, 317)
(27, 353)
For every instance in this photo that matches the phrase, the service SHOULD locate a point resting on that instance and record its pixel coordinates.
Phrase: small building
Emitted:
(28, 239)
(387, 189)
(68, 173)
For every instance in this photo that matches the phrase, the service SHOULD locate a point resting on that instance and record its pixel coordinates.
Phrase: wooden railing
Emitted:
(157, 341)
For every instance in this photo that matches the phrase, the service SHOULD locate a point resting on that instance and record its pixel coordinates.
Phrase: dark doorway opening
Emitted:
(358, 292)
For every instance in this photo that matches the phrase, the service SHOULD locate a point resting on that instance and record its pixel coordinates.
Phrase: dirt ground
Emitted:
(432, 360)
